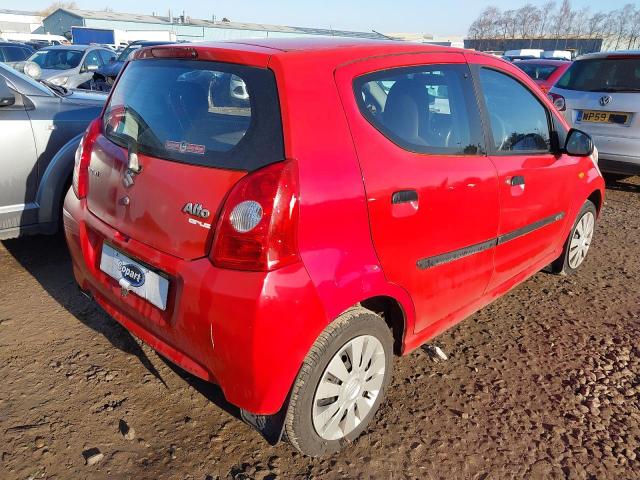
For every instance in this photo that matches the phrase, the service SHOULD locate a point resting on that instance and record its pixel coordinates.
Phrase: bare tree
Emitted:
(546, 13)
(618, 28)
(55, 6)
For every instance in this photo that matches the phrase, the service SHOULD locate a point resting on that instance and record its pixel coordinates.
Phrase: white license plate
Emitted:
(135, 277)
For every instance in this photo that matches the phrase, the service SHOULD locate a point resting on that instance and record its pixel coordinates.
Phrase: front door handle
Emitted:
(515, 180)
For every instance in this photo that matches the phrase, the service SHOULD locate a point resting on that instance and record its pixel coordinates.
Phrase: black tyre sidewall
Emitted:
(307, 439)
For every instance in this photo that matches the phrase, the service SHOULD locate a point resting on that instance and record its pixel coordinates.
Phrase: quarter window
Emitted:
(427, 109)
(519, 122)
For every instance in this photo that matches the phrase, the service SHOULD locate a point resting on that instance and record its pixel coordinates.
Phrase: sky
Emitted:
(448, 17)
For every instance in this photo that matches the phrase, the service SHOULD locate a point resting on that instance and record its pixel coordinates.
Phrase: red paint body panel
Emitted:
(250, 331)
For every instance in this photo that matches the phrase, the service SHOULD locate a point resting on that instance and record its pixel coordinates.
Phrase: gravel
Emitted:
(544, 383)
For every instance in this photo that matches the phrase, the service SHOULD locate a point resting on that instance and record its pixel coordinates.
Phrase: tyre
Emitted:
(577, 245)
(341, 383)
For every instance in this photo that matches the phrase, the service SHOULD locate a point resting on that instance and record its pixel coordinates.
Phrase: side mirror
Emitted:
(91, 67)
(578, 144)
(7, 97)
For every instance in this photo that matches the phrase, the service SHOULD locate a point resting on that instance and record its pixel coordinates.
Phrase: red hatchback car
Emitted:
(545, 72)
(281, 216)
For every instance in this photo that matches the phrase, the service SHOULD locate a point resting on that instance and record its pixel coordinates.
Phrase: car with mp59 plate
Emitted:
(361, 198)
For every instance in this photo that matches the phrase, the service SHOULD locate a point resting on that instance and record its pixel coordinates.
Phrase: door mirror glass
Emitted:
(91, 67)
(579, 144)
(7, 97)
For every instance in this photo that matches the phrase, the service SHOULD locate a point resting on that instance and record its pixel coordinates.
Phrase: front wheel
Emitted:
(577, 245)
(341, 383)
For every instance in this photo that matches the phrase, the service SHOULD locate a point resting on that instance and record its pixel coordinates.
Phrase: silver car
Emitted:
(600, 94)
(71, 66)
(40, 129)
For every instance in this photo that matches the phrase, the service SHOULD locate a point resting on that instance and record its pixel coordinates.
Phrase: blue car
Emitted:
(104, 77)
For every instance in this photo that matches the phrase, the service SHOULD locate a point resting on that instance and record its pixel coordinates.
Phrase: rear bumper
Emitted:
(246, 331)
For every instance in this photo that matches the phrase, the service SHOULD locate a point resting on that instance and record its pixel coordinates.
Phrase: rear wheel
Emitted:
(577, 245)
(341, 383)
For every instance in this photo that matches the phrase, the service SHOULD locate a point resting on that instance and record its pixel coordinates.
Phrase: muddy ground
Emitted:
(543, 384)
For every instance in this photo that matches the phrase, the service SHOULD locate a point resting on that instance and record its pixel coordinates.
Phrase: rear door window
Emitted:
(603, 75)
(428, 109)
(204, 113)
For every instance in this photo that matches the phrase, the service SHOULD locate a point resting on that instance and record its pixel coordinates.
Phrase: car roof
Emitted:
(333, 43)
(332, 50)
(544, 61)
(72, 47)
(611, 54)
(13, 44)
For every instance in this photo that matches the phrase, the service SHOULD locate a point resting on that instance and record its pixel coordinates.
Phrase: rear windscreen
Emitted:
(603, 75)
(536, 70)
(205, 113)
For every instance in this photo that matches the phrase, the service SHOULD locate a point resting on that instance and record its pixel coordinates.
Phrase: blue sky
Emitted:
(430, 16)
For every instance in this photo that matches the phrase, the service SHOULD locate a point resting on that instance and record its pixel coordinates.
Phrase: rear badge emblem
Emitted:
(606, 100)
(197, 210)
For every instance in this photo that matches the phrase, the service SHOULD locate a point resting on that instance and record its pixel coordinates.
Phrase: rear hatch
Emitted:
(602, 95)
(174, 140)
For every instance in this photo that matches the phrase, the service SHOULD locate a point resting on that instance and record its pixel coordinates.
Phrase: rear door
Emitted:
(176, 120)
(432, 194)
(535, 184)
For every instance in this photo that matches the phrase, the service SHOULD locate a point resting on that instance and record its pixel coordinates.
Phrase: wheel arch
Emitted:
(55, 182)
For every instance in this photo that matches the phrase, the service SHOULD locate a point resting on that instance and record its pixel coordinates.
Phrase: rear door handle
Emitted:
(404, 196)
(515, 181)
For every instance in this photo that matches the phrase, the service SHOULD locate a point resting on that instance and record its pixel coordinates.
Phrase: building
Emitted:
(183, 27)
(15, 21)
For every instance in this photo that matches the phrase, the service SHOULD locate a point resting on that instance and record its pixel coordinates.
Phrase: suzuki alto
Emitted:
(360, 199)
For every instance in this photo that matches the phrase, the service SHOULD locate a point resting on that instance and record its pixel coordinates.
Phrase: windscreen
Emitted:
(603, 75)
(205, 113)
(537, 71)
(57, 59)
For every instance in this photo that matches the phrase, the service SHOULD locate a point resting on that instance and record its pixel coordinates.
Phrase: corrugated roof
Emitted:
(134, 17)
(18, 12)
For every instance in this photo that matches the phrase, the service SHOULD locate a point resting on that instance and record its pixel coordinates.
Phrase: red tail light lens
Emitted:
(558, 101)
(83, 157)
(257, 229)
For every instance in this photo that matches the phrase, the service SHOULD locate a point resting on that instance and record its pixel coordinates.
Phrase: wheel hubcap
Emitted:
(349, 387)
(581, 240)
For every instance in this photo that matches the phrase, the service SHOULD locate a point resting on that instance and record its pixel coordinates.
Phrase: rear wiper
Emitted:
(56, 88)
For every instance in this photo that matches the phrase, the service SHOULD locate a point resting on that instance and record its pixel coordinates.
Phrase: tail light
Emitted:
(83, 157)
(257, 228)
(558, 101)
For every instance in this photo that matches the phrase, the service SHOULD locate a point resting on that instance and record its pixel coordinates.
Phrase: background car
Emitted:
(11, 52)
(40, 129)
(544, 72)
(105, 75)
(71, 66)
(600, 94)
